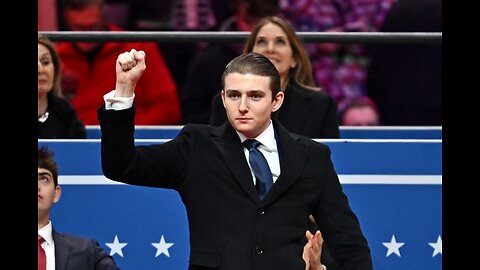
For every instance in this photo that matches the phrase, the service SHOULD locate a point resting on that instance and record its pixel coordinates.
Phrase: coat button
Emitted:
(259, 250)
(261, 211)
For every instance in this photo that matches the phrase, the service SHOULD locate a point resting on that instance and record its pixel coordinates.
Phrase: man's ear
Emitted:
(278, 101)
(58, 194)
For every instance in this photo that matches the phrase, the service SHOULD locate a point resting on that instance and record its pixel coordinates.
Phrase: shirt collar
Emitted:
(266, 138)
(46, 233)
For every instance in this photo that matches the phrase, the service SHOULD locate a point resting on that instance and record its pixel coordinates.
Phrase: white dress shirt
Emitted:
(48, 245)
(117, 103)
(268, 148)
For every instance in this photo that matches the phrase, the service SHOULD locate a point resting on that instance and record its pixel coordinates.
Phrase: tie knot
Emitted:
(40, 239)
(251, 143)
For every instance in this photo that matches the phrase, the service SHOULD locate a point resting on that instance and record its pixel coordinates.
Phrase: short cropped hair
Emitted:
(256, 64)
(46, 161)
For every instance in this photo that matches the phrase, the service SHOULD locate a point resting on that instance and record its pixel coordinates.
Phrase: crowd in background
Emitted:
(400, 83)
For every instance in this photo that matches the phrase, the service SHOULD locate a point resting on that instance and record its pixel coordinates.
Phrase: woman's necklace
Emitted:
(42, 118)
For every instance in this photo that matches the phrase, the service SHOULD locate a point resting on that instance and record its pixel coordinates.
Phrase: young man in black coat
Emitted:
(231, 226)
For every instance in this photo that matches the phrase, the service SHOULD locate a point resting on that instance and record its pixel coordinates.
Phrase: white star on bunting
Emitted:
(437, 247)
(116, 247)
(162, 247)
(393, 246)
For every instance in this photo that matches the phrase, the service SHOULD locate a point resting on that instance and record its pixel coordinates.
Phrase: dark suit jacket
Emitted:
(63, 122)
(76, 253)
(309, 113)
(230, 228)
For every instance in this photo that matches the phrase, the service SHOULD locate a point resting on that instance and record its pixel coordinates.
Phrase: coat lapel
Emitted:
(228, 142)
(292, 157)
(62, 249)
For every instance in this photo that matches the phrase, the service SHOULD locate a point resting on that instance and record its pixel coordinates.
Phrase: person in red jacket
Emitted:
(90, 64)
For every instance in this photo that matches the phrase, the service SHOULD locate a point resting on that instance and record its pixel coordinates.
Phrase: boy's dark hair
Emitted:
(46, 161)
(256, 64)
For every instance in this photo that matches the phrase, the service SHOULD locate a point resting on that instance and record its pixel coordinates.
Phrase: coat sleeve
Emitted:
(338, 223)
(102, 260)
(160, 165)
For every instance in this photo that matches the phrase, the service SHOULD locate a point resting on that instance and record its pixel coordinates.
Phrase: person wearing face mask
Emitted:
(306, 110)
(57, 119)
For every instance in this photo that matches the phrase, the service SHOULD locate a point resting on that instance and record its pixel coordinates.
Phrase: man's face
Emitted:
(247, 99)
(48, 194)
(87, 19)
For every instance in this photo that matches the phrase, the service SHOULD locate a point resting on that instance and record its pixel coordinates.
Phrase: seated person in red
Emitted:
(156, 99)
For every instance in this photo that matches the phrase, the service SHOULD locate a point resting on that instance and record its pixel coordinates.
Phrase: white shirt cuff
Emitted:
(117, 103)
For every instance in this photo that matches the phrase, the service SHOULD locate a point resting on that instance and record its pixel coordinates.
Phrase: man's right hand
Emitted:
(129, 68)
(312, 251)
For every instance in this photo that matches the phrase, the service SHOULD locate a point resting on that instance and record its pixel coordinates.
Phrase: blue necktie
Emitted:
(260, 167)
